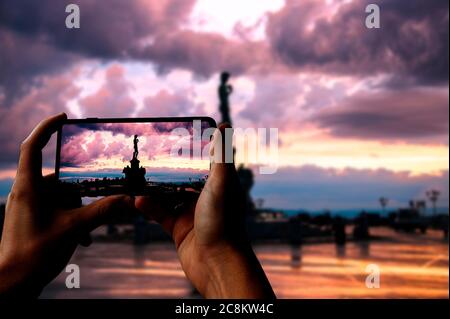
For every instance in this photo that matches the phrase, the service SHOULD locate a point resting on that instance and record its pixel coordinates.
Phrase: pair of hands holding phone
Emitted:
(40, 236)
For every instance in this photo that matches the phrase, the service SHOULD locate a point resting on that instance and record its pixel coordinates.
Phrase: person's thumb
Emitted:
(221, 151)
(222, 175)
(100, 212)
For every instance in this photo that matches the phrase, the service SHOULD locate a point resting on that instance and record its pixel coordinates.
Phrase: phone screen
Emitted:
(102, 157)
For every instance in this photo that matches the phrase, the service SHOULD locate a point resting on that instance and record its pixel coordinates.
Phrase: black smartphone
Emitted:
(136, 156)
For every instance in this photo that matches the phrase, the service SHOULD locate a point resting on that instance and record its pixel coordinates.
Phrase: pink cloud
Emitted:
(165, 103)
(73, 153)
(96, 147)
(18, 119)
(419, 115)
(115, 148)
(154, 141)
(112, 99)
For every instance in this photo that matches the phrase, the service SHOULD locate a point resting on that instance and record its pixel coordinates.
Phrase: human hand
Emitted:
(38, 236)
(209, 233)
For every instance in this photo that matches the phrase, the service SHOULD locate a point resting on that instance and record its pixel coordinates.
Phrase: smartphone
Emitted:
(136, 156)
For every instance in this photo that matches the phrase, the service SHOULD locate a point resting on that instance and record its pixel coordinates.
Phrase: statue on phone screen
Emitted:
(135, 142)
(134, 173)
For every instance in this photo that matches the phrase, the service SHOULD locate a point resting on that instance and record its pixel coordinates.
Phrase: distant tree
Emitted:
(433, 196)
(383, 202)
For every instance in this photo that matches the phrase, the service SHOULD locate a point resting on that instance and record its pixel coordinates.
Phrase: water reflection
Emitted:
(296, 255)
(413, 266)
(364, 248)
(340, 250)
(139, 256)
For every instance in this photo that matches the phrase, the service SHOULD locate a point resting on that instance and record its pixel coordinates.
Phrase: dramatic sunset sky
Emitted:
(361, 112)
(106, 148)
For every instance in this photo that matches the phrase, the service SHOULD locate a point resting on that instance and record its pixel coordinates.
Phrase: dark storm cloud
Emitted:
(34, 39)
(19, 119)
(108, 28)
(412, 115)
(411, 43)
(119, 29)
(204, 53)
(74, 129)
(22, 57)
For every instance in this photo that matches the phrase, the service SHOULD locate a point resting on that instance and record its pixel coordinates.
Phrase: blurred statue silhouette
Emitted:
(361, 229)
(295, 240)
(225, 90)
(245, 174)
(339, 231)
(340, 236)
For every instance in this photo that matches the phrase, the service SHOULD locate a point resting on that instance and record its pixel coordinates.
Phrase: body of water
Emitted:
(411, 266)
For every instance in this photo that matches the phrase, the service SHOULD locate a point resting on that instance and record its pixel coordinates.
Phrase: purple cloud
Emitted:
(112, 99)
(413, 115)
(412, 42)
(165, 103)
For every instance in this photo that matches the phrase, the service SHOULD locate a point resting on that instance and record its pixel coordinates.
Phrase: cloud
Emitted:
(285, 100)
(107, 29)
(144, 128)
(123, 30)
(72, 153)
(276, 95)
(305, 35)
(24, 59)
(413, 115)
(38, 56)
(35, 40)
(19, 119)
(113, 99)
(204, 53)
(165, 103)
(412, 42)
(311, 187)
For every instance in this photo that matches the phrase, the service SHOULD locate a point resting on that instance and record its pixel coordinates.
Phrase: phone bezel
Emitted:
(88, 120)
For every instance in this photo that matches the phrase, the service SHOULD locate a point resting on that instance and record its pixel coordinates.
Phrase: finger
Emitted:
(222, 145)
(222, 167)
(61, 194)
(175, 219)
(100, 212)
(155, 209)
(30, 159)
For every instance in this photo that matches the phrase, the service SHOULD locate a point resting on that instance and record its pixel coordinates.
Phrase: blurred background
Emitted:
(362, 118)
